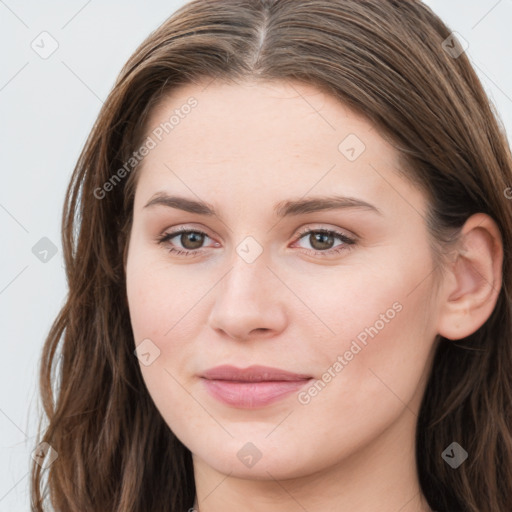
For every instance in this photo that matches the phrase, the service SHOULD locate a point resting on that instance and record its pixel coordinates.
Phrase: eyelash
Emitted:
(347, 245)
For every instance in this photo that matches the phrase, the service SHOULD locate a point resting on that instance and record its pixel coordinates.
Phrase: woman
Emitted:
(286, 243)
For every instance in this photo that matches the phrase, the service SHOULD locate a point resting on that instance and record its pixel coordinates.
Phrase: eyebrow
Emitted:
(282, 209)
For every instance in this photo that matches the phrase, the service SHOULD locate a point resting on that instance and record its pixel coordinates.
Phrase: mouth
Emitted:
(253, 387)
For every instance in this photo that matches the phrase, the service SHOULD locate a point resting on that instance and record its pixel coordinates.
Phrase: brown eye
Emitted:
(321, 241)
(325, 241)
(192, 240)
(184, 241)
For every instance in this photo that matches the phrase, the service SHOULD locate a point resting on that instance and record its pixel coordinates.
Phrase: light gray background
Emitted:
(47, 108)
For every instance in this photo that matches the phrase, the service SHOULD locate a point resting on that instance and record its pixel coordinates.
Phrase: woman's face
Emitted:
(303, 251)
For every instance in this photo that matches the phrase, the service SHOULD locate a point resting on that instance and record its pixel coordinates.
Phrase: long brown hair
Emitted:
(390, 61)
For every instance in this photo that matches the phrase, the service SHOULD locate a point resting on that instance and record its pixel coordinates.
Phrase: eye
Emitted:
(322, 241)
(191, 241)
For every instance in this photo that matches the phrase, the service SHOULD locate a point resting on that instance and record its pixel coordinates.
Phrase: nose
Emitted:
(249, 302)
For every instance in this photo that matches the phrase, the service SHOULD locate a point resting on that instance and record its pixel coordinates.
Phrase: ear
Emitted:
(473, 280)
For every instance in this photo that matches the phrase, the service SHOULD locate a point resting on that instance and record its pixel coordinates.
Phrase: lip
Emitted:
(252, 387)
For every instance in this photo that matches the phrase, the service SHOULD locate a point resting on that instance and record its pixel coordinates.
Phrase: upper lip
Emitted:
(253, 373)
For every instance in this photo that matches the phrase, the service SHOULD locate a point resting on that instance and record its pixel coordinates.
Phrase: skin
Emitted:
(243, 149)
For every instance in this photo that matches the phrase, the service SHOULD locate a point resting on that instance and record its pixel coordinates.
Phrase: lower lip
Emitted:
(251, 395)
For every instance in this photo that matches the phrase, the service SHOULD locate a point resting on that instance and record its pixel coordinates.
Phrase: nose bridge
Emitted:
(245, 300)
(249, 274)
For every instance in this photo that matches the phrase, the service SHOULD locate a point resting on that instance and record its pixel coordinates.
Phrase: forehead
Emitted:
(265, 138)
(251, 115)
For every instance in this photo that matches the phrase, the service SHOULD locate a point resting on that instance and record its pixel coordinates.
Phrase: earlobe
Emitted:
(474, 279)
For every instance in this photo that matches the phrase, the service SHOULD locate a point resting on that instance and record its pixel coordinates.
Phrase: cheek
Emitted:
(371, 371)
(379, 298)
(375, 361)
(156, 306)
(166, 307)
(160, 295)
